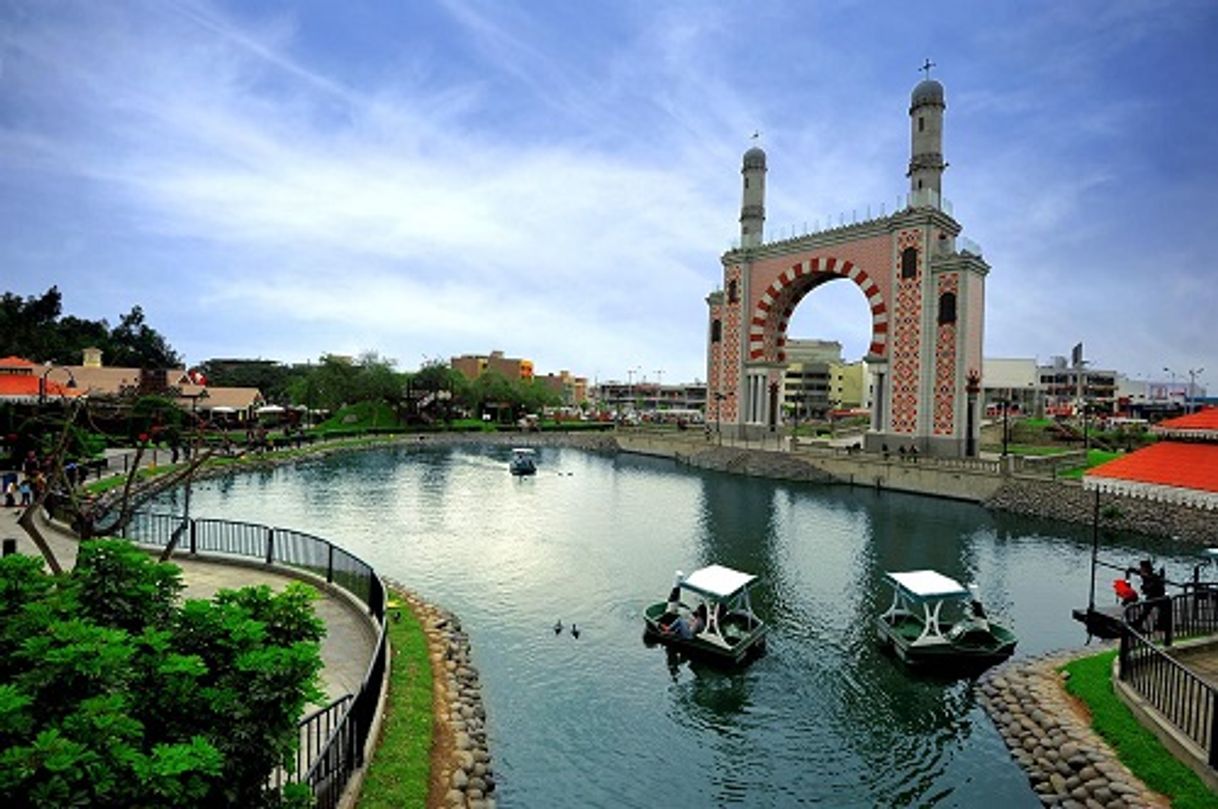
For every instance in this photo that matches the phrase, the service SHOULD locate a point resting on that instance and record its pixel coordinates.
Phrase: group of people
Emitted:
(20, 490)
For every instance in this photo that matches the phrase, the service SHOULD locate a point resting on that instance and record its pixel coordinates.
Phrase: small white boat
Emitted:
(709, 614)
(934, 621)
(523, 462)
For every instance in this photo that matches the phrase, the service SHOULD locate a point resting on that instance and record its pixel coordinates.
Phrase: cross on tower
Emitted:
(926, 67)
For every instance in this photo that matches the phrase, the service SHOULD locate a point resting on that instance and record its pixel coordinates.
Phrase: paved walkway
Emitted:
(346, 649)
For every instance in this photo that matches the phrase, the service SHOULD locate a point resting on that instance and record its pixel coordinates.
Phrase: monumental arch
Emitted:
(926, 295)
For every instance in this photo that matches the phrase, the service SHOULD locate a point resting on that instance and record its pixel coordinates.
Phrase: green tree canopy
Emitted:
(33, 328)
(113, 695)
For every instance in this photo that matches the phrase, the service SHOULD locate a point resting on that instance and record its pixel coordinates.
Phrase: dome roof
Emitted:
(928, 91)
(754, 158)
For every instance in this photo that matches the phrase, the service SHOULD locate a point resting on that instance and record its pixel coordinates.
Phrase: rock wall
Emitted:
(1069, 502)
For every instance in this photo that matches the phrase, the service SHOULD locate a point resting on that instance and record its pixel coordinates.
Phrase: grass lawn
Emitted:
(401, 766)
(1095, 457)
(1139, 750)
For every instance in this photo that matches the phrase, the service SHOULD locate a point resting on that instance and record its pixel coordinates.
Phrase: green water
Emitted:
(824, 718)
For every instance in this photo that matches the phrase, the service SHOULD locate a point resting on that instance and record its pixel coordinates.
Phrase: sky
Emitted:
(559, 180)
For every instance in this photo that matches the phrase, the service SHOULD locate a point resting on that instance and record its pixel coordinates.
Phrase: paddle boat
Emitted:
(936, 622)
(522, 462)
(708, 614)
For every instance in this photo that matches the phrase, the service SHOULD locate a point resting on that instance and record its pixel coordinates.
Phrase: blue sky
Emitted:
(559, 180)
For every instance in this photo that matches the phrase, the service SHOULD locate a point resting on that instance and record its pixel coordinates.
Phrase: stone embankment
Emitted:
(1069, 502)
(461, 771)
(1050, 737)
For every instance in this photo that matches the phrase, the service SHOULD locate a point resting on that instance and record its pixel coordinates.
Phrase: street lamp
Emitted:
(1172, 373)
(42, 383)
(1193, 373)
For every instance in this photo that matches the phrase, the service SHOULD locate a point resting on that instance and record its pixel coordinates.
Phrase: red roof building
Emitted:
(24, 382)
(1181, 468)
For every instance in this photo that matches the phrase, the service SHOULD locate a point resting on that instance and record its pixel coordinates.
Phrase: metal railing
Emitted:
(332, 739)
(1186, 700)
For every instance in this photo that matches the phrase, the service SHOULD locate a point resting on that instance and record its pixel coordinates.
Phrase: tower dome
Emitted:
(928, 91)
(754, 158)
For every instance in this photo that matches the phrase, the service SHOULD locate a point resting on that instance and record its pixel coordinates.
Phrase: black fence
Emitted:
(1181, 696)
(332, 739)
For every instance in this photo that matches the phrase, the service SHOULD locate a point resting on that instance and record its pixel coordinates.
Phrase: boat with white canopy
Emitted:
(709, 613)
(523, 462)
(934, 621)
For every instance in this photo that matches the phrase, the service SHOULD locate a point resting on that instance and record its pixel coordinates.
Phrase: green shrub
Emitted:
(112, 695)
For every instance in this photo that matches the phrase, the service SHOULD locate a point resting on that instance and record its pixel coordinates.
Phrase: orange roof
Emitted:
(15, 362)
(1203, 423)
(1168, 470)
(27, 387)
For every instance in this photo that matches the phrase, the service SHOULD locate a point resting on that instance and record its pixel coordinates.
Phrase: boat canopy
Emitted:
(522, 451)
(717, 581)
(928, 584)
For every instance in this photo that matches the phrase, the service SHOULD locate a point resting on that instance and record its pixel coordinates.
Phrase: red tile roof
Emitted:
(1168, 470)
(28, 387)
(12, 362)
(1202, 424)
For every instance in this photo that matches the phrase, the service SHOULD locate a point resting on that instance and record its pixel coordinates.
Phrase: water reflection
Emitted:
(824, 717)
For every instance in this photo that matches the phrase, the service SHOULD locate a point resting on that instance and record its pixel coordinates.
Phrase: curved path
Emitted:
(350, 638)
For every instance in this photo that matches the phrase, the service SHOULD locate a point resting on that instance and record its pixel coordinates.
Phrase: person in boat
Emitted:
(686, 628)
(672, 608)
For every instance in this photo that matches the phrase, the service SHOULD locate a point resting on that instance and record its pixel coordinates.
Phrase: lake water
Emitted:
(824, 718)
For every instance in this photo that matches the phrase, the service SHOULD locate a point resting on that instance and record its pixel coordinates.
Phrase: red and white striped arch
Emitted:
(768, 325)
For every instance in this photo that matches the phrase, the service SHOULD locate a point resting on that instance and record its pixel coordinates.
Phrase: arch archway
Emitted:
(772, 314)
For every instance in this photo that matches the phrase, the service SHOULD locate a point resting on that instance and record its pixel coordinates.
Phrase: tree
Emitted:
(135, 344)
(32, 328)
(113, 695)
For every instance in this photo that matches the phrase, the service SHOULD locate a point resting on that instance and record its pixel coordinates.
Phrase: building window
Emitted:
(921, 123)
(919, 185)
(909, 262)
(947, 308)
(733, 295)
(746, 182)
(716, 330)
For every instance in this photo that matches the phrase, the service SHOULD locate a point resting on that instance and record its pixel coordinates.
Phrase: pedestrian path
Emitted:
(350, 639)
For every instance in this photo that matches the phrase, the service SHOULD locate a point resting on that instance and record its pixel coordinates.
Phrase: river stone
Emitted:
(460, 779)
(1069, 750)
(461, 741)
(455, 797)
(1102, 794)
(1059, 782)
(476, 783)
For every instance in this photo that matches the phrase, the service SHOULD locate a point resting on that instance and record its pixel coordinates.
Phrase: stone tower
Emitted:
(926, 164)
(752, 206)
(925, 292)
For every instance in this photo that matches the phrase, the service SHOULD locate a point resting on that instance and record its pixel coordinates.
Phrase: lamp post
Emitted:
(1193, 373)
(1172, 374)
(1006, 426)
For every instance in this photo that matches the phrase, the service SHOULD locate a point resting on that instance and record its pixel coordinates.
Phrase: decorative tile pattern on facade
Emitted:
(907, 342)
(945, 363)
(729, 382)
